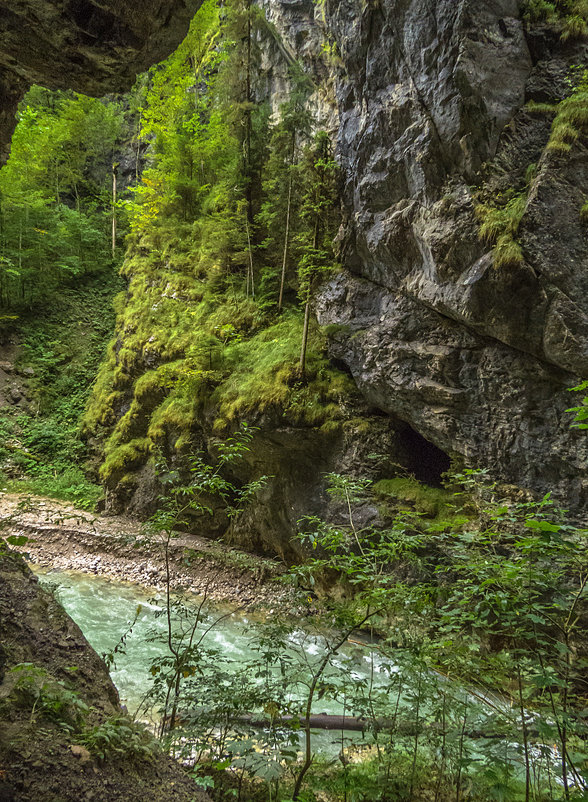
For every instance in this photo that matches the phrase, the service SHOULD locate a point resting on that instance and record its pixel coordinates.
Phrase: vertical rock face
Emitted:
(476, 357)
(301, 29)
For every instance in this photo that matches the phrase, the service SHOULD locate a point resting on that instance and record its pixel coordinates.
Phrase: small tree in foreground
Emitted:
(184, 640)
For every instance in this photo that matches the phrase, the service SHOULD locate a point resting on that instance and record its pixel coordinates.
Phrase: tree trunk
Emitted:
(250, 276)
(113, 211)
(137, 155)
(403, 729)
(302, 365)
(248, 167)
(286, 242)
(287, 234)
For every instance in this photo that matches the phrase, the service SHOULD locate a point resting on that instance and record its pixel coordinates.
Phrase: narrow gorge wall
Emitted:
(427, 104)
(476, 356)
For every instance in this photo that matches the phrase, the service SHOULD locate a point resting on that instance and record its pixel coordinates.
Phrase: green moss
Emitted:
(357, 426)
(500, 226)
(131, 426)
(150, 387)
(103, 399)
(571, 120)
(502, 220)
(188, 348)
(129, 480)
(263, 374)
(334, 329)
(541, 108)
(232, 319)
(539, 11)
(507, 252)
(433, 502)
(120, 459)
(176, 415)
(575, 26)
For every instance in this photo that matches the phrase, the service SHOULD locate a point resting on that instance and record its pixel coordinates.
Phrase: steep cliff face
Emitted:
(476, 355)
(428, 105)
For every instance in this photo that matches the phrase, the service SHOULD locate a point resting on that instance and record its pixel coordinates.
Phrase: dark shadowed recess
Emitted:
(422, 458)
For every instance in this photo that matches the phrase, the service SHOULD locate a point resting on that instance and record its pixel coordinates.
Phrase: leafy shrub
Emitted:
(68, 484)
(118, 737)
(36, 688)
(46, 436)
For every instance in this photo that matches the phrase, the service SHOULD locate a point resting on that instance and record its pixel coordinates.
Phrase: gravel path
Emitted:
(64, 538)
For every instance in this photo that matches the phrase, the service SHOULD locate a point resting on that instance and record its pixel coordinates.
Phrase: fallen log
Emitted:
(323, 721)
(320, 721)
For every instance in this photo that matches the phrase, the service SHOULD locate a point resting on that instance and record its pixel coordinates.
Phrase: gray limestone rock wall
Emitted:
(476, 357)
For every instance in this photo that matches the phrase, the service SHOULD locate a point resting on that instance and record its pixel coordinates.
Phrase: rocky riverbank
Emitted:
(65, 538)
(54, 693)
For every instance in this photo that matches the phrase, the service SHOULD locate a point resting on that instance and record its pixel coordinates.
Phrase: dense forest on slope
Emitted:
(202, 218)
(232, 227)
(58, 275)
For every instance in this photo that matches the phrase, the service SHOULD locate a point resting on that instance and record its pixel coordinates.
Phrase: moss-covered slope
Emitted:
(188, 365)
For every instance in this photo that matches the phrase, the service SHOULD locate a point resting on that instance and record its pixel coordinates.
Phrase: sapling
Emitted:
(183, 638)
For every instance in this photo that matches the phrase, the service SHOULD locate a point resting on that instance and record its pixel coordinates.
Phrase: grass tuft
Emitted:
(500, 226)
(569, 17)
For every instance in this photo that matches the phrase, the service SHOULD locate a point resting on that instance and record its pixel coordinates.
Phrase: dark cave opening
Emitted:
(340, 365)
(423, 459)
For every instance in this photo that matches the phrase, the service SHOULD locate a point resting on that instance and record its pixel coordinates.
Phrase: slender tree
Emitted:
(318, 212)
(279, 214)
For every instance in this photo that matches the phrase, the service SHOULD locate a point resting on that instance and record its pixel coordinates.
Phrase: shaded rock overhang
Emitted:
(91, 46)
